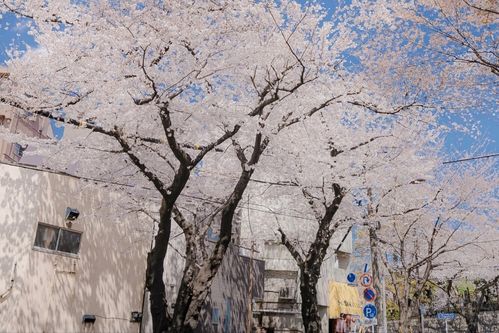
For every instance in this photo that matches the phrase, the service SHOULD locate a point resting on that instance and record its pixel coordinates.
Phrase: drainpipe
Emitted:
(383, 300)
(145, 284)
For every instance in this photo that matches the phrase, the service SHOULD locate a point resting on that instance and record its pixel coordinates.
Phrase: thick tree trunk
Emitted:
(309, 307)
(156, 258)
(184, 297)
(472, 323)
(196, 282)
(155, 269)
(311, 266)
(404, 320)
(202, 283)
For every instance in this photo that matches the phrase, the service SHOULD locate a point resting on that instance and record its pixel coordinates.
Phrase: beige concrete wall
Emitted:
(34, 127)
(51, 292)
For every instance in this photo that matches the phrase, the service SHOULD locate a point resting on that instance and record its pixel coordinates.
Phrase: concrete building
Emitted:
(61, 274)
(12, 122)
(281, 306)
(36, 127)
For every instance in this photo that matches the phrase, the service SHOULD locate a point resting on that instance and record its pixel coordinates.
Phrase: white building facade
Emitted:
(85, 275)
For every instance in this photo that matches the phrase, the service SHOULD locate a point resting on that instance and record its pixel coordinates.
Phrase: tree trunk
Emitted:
(196, 282)
(472, 323)
(404, 325)
(155, 269)
(184, 297)
(311, 267)
(202, 283)
(156, 258)
(373, 240)
(309, 307)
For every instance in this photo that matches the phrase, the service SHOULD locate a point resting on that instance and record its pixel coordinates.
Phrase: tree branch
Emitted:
(292, 250)
(211, 146)
(179, 153)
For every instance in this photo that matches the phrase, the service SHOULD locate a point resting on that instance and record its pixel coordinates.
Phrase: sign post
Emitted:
(370, 311)
(446, 316)
(369, 294)
(366, 280)
(422, 311)
(351, 278)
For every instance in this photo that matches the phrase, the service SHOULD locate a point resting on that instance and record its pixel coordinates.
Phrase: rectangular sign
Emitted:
(368, 322)
(446, 315)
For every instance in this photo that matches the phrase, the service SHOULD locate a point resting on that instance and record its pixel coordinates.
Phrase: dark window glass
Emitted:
(57, 239)
(18, 150)
(46, 237)
(69, 241)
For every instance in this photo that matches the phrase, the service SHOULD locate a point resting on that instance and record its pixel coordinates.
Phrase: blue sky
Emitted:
(13, 31)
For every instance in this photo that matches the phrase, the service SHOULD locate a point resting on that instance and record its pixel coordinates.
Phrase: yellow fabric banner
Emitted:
(343, 298)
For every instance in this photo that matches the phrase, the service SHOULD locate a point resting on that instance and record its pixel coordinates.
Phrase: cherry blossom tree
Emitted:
(469, 298)
(462, 30)
(358, 157)
(151, 92)
(156, 97)
(434, 226)
(310, 263)
(440, 54)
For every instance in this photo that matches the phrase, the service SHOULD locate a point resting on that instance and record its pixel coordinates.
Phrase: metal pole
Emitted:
(383, 294)
(422, 320)
(250, 291)
(446, 328)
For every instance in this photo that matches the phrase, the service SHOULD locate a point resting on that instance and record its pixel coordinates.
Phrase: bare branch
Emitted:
(154, 94)
(211, 146)
(181, 155)
(488, 10)
(288, 122)
(240, 153)
(158, 183)
(375, 108)
(291, 248)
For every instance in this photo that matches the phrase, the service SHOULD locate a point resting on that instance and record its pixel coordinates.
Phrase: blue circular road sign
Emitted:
(370, 311)
(351, 278)
(366, 280)
(369, 294)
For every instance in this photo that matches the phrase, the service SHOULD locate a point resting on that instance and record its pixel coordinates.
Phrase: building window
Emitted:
(57, 239)
(18, 150)
(4, 121)
(215, 316)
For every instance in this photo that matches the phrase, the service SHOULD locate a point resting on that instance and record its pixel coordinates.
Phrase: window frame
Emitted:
(56, 251)
(17, 149)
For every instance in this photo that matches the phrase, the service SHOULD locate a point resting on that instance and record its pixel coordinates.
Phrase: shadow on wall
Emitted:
(228, 304)
(52, 291)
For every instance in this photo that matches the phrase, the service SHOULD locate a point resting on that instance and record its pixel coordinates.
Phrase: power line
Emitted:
(471, 158)
(62, 173)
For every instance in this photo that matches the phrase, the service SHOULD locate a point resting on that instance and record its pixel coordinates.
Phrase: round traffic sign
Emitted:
(366, 280)
(369, 294)
(370, 311)
(351, 277)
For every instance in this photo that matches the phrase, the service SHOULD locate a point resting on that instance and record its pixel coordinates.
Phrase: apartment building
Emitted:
(12, 121)
(72, 260)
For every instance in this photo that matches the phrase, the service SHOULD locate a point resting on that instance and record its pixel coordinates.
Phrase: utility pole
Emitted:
(250, 291)
(421, 313)
(383, 293)
(373, 243)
